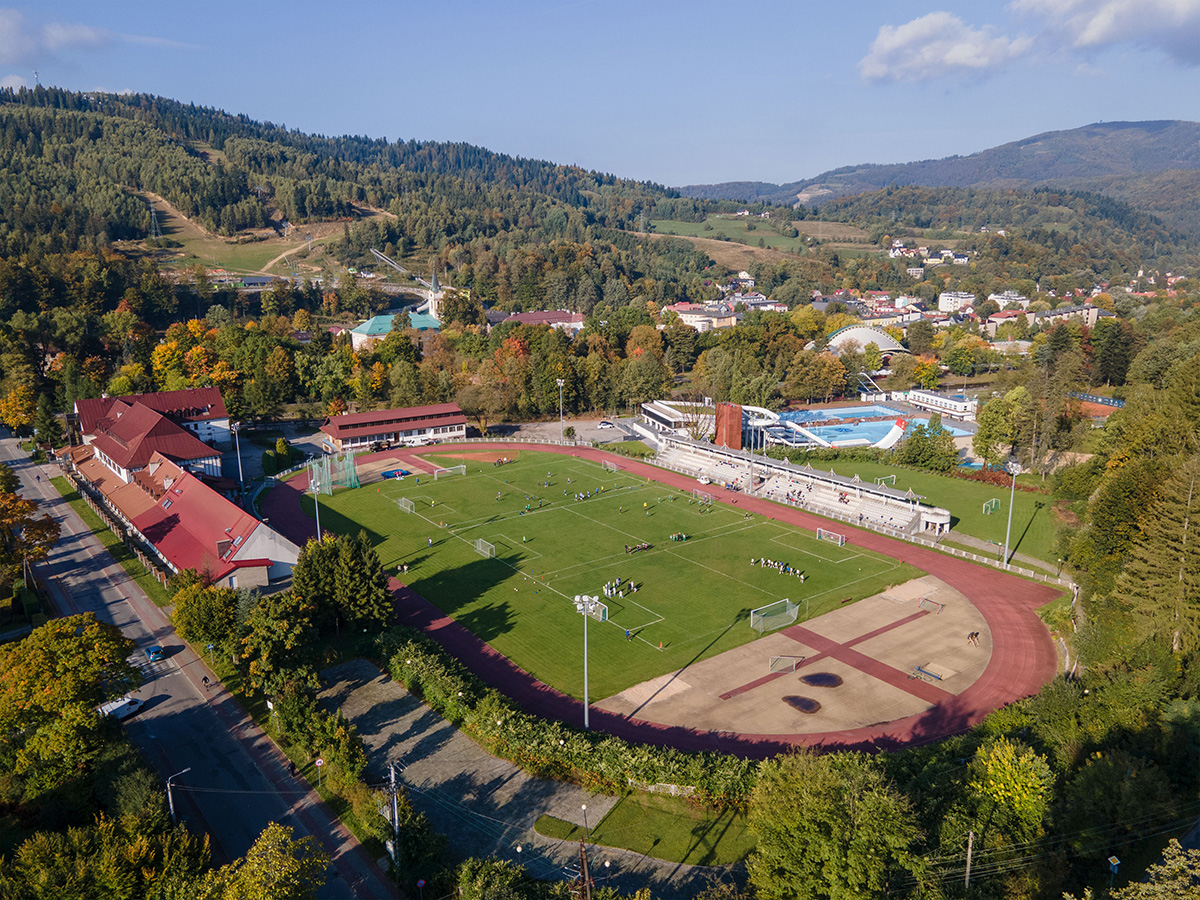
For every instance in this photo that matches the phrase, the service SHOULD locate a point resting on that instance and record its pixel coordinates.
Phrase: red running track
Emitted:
(1023, 655)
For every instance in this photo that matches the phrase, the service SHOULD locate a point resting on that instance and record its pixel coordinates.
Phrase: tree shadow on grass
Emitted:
(453, 590)
(332, 520)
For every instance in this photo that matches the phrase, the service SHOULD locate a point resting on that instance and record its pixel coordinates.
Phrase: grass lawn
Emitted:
(733, 229)
(694, 597)
(666, 828)
(122, 554)
(1033, 527)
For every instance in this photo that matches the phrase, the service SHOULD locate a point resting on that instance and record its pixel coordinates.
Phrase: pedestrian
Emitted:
(430, 543)
(39, 478)
(628, 635)
(205, 680)
(291, 768)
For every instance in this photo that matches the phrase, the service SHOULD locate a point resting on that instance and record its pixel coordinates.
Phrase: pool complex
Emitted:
(871, 432)
(801, 416)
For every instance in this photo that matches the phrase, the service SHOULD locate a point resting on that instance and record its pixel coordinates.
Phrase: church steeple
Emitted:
(433, 282)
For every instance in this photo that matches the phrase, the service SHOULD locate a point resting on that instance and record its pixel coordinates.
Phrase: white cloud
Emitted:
(13, 82)
(26, 44)
(1171, 26)
(934, 45)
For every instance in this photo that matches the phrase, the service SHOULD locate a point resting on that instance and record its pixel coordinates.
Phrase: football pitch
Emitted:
(562, 526)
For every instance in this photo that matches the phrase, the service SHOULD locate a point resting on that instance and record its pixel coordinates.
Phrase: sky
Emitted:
(687, 92)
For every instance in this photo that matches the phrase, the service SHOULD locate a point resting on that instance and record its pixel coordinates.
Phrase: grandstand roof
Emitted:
(863, 335)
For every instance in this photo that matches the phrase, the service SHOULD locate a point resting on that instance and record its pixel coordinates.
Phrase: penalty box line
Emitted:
(833, 562)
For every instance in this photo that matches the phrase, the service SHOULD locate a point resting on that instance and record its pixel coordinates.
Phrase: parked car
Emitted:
(120, 709)
(606, 424)
(155, 653)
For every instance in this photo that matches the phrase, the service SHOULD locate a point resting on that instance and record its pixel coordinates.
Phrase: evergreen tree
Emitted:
(314, 577)
(1161, 581)
(362, 597)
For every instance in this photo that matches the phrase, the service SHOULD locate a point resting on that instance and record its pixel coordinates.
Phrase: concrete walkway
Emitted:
(485, 805)
(996, 550)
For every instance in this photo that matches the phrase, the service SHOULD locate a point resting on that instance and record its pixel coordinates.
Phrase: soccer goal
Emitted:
(886, 479)
(406, 505)
(831, 536)
(703, 497)
(483, 548)
(451, 470)
(783, 664)
(591, 606)
(926, 603)
(991, 506)
(774, 615)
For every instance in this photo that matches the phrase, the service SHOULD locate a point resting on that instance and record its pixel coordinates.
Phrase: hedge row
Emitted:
(550, 749)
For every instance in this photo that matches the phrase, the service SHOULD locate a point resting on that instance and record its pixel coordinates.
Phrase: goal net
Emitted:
(774, 615)
(332, 471)
(783, 663)
(591, 606)
(926, 603)
(438, 474)
(886, 479)
(704, 498)
(608, 466)
(831, 536)
(483, 548)
(991, 506)
(406, 505)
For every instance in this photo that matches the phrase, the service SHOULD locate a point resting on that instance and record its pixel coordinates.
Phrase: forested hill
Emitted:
(1127, 160)
(71, 159)
(1038, 213)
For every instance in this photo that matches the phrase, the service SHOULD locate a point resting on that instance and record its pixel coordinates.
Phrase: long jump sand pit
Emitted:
(884, 658)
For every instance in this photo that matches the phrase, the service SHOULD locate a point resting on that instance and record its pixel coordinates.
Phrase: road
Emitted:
(239, 780)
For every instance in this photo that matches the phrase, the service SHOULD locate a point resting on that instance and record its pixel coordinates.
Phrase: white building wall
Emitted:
(266, 543)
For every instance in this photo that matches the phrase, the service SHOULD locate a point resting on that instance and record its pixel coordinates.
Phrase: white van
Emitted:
(120, 709)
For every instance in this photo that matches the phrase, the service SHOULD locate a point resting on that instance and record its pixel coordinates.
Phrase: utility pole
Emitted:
(395, 810)
(584, 884)
(970, 847)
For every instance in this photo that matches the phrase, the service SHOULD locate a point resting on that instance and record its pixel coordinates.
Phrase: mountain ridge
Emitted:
(1140, 162)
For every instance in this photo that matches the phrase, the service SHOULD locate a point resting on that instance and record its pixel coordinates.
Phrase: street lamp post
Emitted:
(560, 382)
(315, 484)
(1013, 468)
(171, 795)
(237, 443)
(585, 605)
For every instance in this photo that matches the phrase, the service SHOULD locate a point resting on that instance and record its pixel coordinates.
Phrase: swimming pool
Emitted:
(870, 432)
(801, 416)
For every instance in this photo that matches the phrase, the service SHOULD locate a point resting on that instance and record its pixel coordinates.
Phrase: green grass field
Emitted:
(667, 828)
(733, 229)
(1033, 526)
(694, 597)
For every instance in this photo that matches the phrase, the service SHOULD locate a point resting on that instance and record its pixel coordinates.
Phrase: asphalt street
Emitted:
(238, 781)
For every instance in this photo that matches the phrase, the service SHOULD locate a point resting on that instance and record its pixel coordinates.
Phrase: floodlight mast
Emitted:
(1013, 468)
(585, 605)
(315, 483)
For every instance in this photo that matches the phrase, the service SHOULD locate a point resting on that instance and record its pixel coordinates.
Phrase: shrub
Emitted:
(550, 749)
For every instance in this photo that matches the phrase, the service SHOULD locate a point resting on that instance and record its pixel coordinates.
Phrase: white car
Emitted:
(606, 424)
(120, 709)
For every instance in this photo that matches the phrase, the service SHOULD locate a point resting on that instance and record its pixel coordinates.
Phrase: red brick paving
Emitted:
(1023, 655)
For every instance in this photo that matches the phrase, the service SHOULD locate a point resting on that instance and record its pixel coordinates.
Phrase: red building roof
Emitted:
(194, 527)
(385, 421)
(130, 435)
(189, 405)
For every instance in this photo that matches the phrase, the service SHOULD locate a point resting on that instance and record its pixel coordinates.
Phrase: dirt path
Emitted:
(1023, 656)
